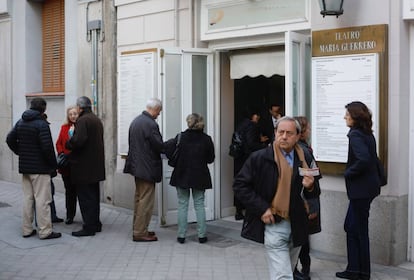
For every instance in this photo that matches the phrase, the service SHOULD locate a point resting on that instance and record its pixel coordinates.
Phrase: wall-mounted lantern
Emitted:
(331, 7)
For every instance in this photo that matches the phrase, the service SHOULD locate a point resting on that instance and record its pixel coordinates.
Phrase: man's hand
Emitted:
(307, 182)
(267, 217)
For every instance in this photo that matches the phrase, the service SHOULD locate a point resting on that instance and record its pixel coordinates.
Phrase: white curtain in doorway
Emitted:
(256, 64)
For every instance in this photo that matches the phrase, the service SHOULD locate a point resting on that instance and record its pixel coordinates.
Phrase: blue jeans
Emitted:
(198, 198)
(282, 256)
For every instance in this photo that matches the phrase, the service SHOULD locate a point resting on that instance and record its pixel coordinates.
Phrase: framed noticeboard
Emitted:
(136, 84)
(348, 64)
(337, 81)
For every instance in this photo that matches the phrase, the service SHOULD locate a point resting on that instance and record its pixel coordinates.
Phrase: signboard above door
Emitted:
(229, 18)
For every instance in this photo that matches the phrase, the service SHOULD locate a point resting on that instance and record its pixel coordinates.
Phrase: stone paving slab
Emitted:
(112, 254)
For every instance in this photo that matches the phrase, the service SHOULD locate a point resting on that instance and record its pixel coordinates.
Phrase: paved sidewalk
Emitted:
(111, 254)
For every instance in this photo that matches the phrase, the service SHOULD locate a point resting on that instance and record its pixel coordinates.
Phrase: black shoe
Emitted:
(181, 240)
(300, 276)
(202, 239)
(57, 220)
(239, 216)
(52, 235)
(347, 275)
(83, 232)
(30, 234)
(69, 221)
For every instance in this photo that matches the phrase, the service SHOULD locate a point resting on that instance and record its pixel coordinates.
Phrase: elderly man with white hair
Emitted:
(145, 164)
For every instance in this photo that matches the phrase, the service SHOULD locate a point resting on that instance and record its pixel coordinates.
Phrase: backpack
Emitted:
(236, 149)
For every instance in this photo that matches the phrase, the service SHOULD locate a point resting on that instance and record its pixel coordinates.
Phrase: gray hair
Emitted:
(195, 121)
(84, 102)
(287, 118)
(154, 103)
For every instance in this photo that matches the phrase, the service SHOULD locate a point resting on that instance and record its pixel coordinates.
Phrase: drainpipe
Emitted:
(94, 28)
(176, 23)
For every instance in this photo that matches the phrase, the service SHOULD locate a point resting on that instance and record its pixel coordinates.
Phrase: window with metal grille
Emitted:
(53, 36)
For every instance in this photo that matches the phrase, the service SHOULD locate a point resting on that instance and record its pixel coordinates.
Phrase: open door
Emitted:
(186, 85)
(298, 81)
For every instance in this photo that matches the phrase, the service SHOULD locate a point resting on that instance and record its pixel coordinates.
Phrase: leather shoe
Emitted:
(148, 238)
(202, 239)
(181, 240)
(57, 220)
(30, 234)
(52, 235)
(239, 216)
(347, 275)
(297, 275)
(69, 221)
(83, 232)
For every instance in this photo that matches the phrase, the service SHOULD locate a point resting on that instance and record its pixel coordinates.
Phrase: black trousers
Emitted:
(357, 238)
(70, 196)
(88, 196)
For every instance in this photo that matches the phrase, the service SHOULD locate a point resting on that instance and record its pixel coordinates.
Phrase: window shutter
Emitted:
(53, 29)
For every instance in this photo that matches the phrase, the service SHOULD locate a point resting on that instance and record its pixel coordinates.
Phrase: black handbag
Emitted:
(62, 160)
(173, 159)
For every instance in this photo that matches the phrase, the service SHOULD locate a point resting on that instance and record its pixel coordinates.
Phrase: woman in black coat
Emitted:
(362, 186)
(252, 141)
(196, 150)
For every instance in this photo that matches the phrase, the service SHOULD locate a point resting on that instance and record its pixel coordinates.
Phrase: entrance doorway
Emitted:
(258, 93)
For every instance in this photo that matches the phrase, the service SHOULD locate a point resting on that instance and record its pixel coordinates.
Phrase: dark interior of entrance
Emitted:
(258, 94)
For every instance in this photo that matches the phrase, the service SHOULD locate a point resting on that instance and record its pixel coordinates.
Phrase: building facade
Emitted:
(217, 58)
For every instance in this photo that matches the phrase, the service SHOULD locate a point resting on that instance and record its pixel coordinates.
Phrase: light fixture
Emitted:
(331, 7)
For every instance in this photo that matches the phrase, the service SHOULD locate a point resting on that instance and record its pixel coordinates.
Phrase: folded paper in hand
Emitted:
(309, 171)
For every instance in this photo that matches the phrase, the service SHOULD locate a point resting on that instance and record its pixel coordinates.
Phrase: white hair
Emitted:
(154, 103)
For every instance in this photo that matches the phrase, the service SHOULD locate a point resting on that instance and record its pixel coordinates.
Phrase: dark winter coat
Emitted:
(196, 150)
(145, 148)
(361, 177)
(31, 140)
(313, 203)
(255, 186)
(250, 133)
(87, 158)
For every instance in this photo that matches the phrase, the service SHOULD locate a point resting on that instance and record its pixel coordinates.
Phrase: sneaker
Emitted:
(181, 240)
(52, 235)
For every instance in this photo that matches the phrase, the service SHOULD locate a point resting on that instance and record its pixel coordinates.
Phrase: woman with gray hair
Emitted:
(196, 150)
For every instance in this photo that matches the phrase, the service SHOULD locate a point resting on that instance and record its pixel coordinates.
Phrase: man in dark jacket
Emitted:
(87, 165)
(145, 164)
(31, 140)
(271, 188)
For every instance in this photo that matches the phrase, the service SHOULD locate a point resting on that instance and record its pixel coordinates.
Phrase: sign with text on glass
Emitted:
(337, 81)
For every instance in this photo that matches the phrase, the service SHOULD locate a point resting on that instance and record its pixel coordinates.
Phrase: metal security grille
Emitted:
(53, 29)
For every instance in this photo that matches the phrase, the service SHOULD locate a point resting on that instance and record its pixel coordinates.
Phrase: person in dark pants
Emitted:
(66, 132)
(362, 186)
(252, 141)
(87, 165)
(313, 205)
